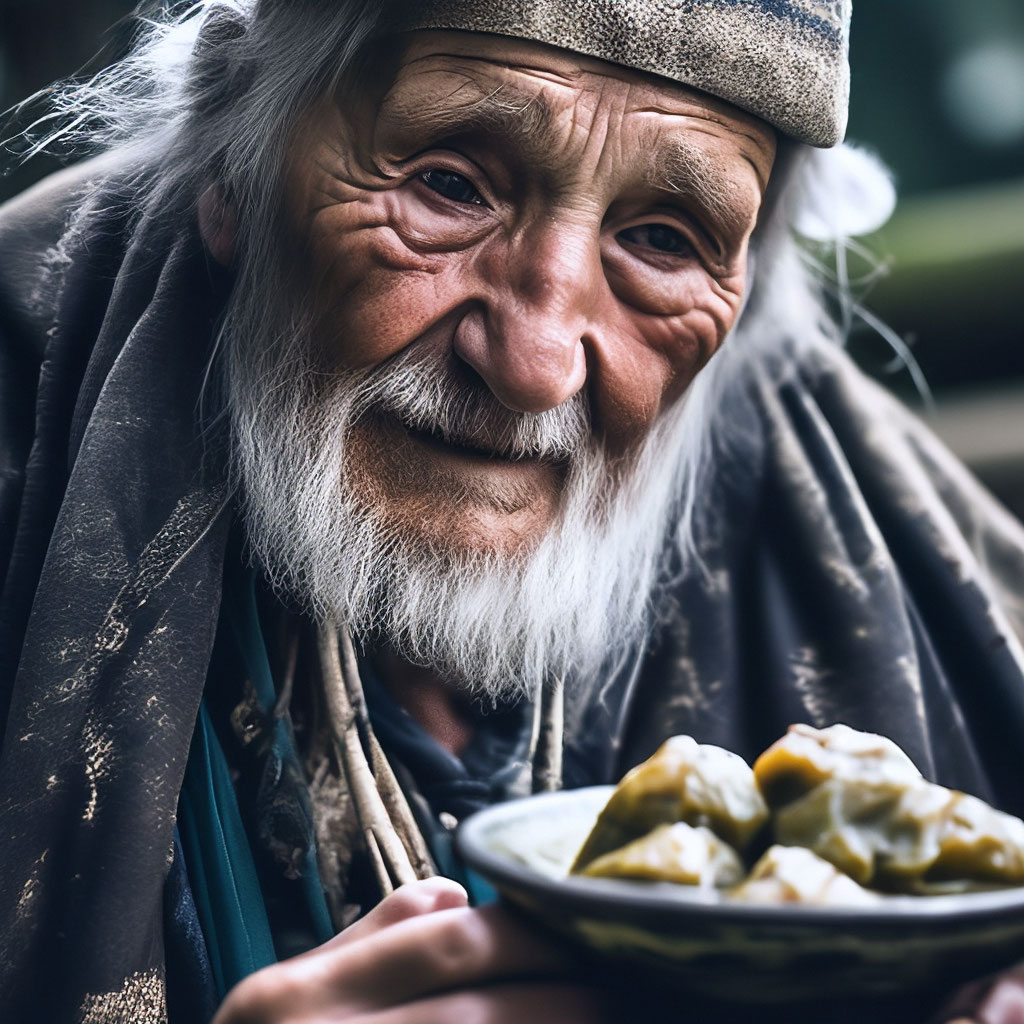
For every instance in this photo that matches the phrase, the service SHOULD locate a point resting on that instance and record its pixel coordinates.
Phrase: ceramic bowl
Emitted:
(706, 943)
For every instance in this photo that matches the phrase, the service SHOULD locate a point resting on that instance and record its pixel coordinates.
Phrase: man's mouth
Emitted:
(455, 443)
(483, 496)
(434, 437)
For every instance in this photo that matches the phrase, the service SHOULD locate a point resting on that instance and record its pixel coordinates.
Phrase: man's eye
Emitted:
(657, 236)
(452, 186)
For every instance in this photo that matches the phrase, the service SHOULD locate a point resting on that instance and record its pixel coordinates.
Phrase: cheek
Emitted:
(375, 290)
(657, 357)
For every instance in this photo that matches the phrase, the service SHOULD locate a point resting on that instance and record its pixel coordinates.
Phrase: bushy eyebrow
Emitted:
(671, 164)
(682, 167)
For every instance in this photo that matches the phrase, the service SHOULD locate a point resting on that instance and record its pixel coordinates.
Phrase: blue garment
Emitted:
(220, 866)
(215, 846)
(226, 903)
(240, 608)
(191, 989)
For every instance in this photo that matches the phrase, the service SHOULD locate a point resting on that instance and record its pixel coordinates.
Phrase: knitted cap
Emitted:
(783, 60)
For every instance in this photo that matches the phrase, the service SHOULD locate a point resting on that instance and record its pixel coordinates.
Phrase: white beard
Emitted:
(494, 624)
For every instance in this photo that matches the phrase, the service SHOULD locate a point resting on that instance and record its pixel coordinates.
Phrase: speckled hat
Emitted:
(784, 60)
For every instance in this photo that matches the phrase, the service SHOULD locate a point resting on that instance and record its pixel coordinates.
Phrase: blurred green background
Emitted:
(938, 93)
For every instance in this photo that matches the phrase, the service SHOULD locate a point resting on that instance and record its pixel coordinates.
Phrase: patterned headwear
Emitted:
(783, 60)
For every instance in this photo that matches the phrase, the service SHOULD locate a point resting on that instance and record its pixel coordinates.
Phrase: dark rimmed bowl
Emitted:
(705, 943)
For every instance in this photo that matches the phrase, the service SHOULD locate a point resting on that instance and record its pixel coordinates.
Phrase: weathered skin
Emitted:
(552, 273)
(419, 956)
(682, 781)
(597, 241)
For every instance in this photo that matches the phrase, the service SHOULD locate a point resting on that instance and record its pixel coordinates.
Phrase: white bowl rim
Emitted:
(665, 901)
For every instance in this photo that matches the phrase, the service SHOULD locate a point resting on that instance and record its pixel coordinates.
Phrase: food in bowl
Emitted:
(864, 807)
(673, 853)
(792, 874)
(845, 810)
(683, 781)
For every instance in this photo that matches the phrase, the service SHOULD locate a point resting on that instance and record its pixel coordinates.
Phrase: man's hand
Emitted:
(998, 1000)
(422, 956)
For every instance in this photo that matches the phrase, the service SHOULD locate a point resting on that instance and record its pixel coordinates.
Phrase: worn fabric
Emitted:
(115, 527)
(244, 815)
(784, 60)
(855, 573)
(221, 869)
(191, 991)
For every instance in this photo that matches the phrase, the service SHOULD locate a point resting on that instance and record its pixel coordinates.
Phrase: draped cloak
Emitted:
(855, 573)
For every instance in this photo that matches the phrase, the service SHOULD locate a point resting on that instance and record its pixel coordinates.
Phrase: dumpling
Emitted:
(673, 853)
(683, 781)
(805, 757)
(791, 874)
(858, 801)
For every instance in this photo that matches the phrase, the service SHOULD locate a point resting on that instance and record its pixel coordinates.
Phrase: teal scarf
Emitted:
(221, 869)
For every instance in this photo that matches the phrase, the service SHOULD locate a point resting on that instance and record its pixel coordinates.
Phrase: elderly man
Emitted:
(412, 406)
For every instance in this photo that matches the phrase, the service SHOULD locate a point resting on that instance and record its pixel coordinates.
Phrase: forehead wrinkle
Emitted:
(735, 124)
(469, 63)
(683, 167)
(516, 114)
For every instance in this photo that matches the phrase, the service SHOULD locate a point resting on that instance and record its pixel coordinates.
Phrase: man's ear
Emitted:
(217, 225)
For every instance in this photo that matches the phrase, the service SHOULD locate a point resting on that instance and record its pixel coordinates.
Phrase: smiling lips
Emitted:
(465, 444)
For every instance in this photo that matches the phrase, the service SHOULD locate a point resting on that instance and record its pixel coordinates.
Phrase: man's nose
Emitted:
(528, 339)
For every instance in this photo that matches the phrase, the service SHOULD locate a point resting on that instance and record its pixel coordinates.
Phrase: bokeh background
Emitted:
(938, 93)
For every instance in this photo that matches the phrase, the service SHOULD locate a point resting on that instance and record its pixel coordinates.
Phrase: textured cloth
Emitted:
(191, 989)
(784, 60)
(221, 869)
(113, 518)
(229, 839)
(856, 573)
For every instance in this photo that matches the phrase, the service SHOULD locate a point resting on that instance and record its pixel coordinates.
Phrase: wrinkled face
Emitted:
(544, 225)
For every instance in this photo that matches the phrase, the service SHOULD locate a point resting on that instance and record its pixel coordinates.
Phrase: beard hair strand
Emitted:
(495, 624)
